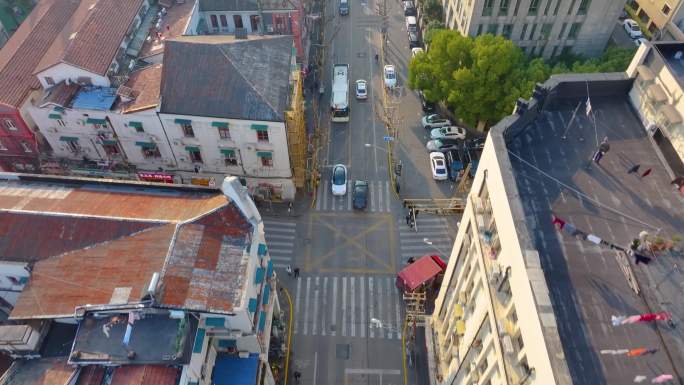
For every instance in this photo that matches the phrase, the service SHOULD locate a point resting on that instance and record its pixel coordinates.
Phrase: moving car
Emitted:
(438, 166)
(344, 7)
(427, 106)
(414, 41)
(632, 28)
(339, 179)
(360, 194)
(390, 76)
(434, 121)
(361, 89)
(409, 8)
(451, 132)
(442, 145)
(416, 51)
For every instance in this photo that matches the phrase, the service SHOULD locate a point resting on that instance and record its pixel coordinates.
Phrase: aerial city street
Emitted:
(341, 192)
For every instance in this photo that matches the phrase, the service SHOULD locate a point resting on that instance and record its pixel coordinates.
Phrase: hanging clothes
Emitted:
(557, 221)
(662, 378)
(594, 239)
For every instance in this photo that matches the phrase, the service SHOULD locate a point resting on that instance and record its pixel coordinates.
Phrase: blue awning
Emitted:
(269, 269)
(96, 121)
(456, 166)
(182, 121)
(217, 322)
(260, 127)
(230, 369)
(146, 144)
(266, 294)
(262, 250)
(55, 116)
(68, 139)
(259, 275)
(199, 341)
(252, 305)
(227, 343)
(262, 321)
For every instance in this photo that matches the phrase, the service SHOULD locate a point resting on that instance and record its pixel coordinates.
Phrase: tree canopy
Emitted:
(432, 10)
(480, 78)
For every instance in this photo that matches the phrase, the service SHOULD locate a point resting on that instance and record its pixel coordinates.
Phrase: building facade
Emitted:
(544, 28)
(664, 19)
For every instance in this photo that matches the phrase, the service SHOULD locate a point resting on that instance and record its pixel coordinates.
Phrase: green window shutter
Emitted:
(145, 144)
(262, 250)
(96, 121)
(259, 275)
(182, 121)
(252, 305)
(227, 151)
(199, 341)
(227, 344)
(264, 154)
(269, 269)
(109, 142)
(219, 124)
(55, 116)
(135, 124)
(59, 109)
(68, 139)
(192, 148)
(260, 127)
(217, 322)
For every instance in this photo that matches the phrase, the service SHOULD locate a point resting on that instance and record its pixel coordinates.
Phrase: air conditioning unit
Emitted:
(243, 354)
(507, 343)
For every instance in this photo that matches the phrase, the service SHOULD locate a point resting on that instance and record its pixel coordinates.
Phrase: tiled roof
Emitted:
(206, 269)
(145, 83)
(97, 39)
(61, 94)
(145, 375)
(220, 76)
(24, 50)
(44, 371)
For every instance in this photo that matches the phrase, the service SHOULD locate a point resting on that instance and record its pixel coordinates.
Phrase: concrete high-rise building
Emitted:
(663, 18)
(540, 27)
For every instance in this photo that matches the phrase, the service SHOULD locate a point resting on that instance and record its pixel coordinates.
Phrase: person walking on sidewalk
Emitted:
(646, 173)
(289, 270)
(296, 272)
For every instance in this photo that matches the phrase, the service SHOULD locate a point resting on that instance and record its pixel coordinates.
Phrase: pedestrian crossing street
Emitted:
(280, 240)
(379, 197)
(436, 229)
(348, 306)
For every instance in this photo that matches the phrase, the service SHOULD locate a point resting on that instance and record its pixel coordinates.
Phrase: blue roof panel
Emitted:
(231, 370)
(95, 98)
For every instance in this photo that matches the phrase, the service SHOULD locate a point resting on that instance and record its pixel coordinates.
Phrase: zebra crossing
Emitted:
(429, 229)
(348, 306)
(280, 240)
(379, 197)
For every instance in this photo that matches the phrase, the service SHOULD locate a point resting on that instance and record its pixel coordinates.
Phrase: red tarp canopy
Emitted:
(420, 271)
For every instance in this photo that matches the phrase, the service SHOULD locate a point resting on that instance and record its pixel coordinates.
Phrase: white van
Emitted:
(411, 24)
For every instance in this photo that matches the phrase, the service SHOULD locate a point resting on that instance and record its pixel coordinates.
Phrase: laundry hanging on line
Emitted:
(618, 320)
(573, 231)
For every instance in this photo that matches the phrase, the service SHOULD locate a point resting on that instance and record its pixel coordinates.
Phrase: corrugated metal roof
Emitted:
(44, 371)
(220, 76)
(145, 375)
(91, 375)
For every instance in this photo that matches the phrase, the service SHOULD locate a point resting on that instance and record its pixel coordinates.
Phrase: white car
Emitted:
(434, 121)
(438, 166)
(339, 179)
(390, 76)
(361, 89)
(632, 28)
(415, 51)
(639, 41)
(451, 132)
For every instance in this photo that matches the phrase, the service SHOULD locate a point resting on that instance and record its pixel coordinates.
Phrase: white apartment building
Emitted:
(540, 27)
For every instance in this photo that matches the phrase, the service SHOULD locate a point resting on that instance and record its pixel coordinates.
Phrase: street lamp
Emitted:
(429, 242)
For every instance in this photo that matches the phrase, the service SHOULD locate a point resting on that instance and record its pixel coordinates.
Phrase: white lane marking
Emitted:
(333, 319)
(353, 306)
(400, 323)
(371, 333)
(306, 306)
(280, 265)
(362, 322)
(289, 237)
(381, 315)
(297, 314)
(324, 204)
(315, 310)
(276, 225)
(349, 196)
(325, 301)
(319, 197)
(371, 194)
(380, 207)
(344, 306)
(278, 258)
(276, 244)
(387, 189)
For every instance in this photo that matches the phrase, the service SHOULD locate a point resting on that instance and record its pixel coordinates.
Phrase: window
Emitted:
(555, 10)
(195, 154)
(487, 9)
(553, 52)
(254, 21)
(237, 19)
(574, 30)
(532, 31)
(666, 8)
(49, 81)
(562, 30)
(517, 5)
(584, 6)
(111, 149)
(546, 30)
(229, 158)
(150, 150)
(503, 7)
(214, 21)
(493, 29)
(9, 124)
(519, 342)
(187, 130)
(262, 135)
(479, 29)
(61, 123)
(2, 147)
(73, 146)
(224, 21)
(25, 146)
(546, 9)
(534, 7)
(507, 30)
(572, 7)
(566, 50)
(224, 133)
(266, 158)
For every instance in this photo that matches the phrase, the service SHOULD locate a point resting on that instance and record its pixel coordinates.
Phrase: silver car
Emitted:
(434, 121)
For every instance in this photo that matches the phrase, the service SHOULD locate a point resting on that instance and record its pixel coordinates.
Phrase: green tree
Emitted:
(432, 10)
(430, 30)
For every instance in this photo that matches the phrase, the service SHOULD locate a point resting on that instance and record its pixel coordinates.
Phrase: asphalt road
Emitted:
(348, 313)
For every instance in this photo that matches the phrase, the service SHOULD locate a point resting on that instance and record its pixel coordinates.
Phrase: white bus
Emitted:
(339, 104)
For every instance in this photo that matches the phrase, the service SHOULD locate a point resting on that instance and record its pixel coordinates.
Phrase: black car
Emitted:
(428, 107)
(409, 8)
(414, 40)
(360, 194)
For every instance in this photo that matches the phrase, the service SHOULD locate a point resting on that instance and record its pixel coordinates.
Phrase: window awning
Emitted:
(671, 114)
(269, 269)
(460, 327)
(55, 116)
(192, 148)
(109, 142)
(227, 343)
(252, 305)
(96, 121)
(645, 73)
(182, 121)
(227, 151)
(262, 321)
(217, 322)
(266, 294)
(135, 124)
(199, 341)
(68, 139)
(219, 124)
(262, 250)
(259, 127)
(264, 154)
(59, 108)
(655, 92)
(145, 144)
(259, 275)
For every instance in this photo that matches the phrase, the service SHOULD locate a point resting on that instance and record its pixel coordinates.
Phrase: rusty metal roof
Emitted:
(91, 375)
(145, 375)
(145, 83)
(44, 371)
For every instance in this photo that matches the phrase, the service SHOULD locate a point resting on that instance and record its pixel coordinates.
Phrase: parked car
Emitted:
(361, 89)
(339, 179)
(409, 8)
(438, 166)
(639, 41)
(632, 28)
(344, 7)
(416, 51)
(414, 41)
(451, 132)
(442, 145)
(411, 24)
(434, 121)
(360, 194)
(476, 143)
(390, 76)
(427, 106)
